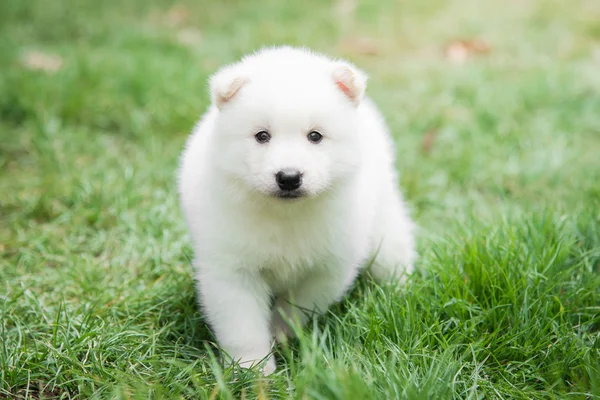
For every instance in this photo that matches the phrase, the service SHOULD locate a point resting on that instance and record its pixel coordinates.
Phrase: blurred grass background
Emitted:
(495, 109)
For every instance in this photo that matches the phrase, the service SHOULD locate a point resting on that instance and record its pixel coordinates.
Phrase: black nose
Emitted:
(289, 179)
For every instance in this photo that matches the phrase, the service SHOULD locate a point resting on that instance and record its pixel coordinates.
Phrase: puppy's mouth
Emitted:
(289, 194)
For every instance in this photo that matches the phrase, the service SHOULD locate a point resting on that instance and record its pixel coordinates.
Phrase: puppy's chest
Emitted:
(285, 257)
(282, 278)
(287, 262)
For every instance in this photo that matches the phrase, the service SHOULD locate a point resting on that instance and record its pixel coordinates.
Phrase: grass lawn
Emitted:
(499, 153)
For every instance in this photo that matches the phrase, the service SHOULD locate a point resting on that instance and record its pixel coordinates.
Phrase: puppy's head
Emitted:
(287, 124)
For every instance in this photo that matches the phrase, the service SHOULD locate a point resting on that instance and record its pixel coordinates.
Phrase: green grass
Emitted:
(96, 289)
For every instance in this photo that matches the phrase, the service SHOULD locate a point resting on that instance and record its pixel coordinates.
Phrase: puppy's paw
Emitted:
(269, 366)
(266, 365)
(281, 329)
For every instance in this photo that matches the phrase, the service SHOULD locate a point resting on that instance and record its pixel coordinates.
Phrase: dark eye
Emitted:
(314, 137)
(262, 137)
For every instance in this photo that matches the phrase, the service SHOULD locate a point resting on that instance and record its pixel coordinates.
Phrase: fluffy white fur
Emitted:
(261, 259)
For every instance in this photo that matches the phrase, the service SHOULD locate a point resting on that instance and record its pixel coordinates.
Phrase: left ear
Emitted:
(350, 80)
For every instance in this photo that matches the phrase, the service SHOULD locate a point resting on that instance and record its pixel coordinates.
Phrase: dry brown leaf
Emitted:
(429, 139)
(510, 186)
(459, 51)
(189, 37)
(38, 61)
(359, 45)
(177, 15)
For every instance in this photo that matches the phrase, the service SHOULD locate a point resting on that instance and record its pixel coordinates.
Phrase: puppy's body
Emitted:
(254, 238)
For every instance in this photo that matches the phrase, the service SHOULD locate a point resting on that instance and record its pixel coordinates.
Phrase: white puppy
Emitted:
(288, 186)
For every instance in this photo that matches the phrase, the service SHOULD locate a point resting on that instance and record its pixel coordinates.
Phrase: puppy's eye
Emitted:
(262, 137)
(314, 137)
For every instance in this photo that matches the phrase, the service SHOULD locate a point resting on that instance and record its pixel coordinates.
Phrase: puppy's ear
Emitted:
(350, 80)
(225, 84)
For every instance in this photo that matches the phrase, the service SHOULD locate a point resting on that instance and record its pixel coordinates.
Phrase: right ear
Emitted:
(225, 84)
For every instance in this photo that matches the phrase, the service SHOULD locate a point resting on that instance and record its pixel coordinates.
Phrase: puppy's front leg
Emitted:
(237, 307)
(314, 294)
